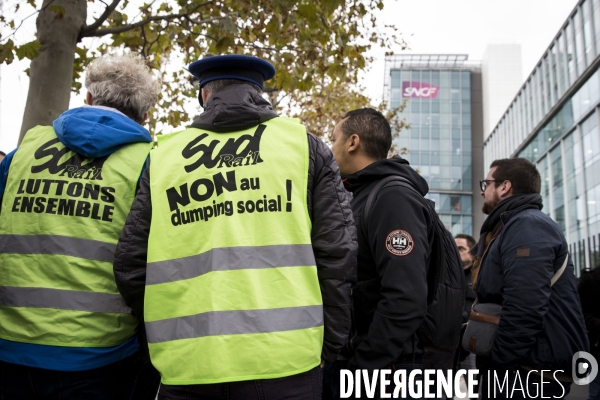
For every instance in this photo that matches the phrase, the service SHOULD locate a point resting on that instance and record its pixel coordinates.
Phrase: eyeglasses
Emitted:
(485, 182)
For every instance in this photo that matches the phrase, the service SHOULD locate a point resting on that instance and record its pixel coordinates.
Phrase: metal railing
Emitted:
(585, 253)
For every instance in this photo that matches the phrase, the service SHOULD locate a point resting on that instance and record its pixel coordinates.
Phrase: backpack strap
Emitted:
(560, 271)
(435, 276)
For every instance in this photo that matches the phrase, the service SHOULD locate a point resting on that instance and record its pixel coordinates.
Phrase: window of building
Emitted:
(456, 225)
(586, 96)
(542, 87)
(558, 187)
(456, 133)
(455, 204)
(591, 142)
(573, 191)
(554, 75)
(434, 173)
(396, 83)
(596, 16)
(455, 79)
(579, 43)
(455, 94)
(456, 120)
(561, 61)
(572, 71)
(446, 120)
(466, 120)
(435, 78)
(542, 167)
(456, 107)
(588, 34)
(593, 209)
(446, 107)
(466, 94)
(467, 180)
(535, 86)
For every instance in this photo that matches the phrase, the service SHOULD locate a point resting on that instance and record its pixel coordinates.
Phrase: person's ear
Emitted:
(204, 95)
(506, 189)
(144, 118)
(353, 143)
(89, 99)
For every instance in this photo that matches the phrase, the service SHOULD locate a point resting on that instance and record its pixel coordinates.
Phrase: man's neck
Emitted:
(361, 163)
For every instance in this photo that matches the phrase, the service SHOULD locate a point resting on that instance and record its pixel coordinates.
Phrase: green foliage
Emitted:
(315, 46)
(28, 50)
(318, 48)
(82, 59)
(7, 54)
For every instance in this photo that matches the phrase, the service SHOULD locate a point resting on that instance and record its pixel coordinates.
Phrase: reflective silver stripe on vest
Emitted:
(235, 322)
(12, 296)
(54, 244)
(230, 258)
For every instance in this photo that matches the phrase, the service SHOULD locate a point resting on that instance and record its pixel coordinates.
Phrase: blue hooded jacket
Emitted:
(91, 131)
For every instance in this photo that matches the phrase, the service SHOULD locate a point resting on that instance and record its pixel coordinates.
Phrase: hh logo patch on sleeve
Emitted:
(399, 243)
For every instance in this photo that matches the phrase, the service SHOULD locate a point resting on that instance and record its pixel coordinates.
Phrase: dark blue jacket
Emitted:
(541, 326)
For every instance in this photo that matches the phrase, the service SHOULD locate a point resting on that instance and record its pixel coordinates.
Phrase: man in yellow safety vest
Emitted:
(241, 238)
(65, 331)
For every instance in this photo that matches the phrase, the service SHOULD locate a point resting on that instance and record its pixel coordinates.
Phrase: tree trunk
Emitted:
(51, 72)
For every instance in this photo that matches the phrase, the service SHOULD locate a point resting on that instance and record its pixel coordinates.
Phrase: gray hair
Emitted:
(213, 87)
(124, 83)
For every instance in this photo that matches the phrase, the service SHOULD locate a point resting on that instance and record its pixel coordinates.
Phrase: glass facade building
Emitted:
(439, 93)
(553, 121)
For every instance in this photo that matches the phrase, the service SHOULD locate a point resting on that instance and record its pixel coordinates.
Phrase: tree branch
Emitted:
(169, 17)
(152, 42)
(145, 42)
(98, 23)
(26, 18)
(197, 34)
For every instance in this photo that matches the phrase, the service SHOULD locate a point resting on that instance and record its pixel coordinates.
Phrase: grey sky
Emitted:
(429, 26)
(467, 26)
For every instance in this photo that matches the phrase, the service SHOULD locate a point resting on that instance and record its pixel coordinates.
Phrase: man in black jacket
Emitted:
(390, 299)
(522, 263)
(233, 103)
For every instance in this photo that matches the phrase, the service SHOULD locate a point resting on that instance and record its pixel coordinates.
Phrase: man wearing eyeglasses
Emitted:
(521, 262)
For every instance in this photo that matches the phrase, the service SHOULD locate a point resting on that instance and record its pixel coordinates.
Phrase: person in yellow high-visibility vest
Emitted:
(65, 331)
(240, 247)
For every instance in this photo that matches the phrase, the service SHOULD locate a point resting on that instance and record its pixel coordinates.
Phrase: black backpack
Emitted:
(446, 285)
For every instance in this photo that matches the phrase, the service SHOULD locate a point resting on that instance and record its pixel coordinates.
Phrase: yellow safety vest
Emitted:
(61, 219)
(232, 291)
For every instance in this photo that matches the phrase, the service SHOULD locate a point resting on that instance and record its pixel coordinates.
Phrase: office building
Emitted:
(553, 121)
(443, 97)
(502, 77)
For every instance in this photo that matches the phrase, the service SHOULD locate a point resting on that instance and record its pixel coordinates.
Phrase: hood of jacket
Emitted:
(98, 131)
(235, 108)
(396, 166)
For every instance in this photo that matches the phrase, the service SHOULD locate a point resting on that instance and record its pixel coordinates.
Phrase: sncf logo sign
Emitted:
(419, 90)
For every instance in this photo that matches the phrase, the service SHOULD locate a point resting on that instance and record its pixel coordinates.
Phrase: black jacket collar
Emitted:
(234, 108)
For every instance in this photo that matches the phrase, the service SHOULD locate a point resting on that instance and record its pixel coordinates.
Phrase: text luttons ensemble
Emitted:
(86, 200)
